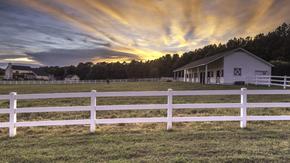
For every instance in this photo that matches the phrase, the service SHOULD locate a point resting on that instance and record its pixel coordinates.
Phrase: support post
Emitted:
(206, 77)
(169, 109)
(285, 82)
(173, 76)
(191, 75)
(93, 111)
(243, 122)
(269, 81)
(198, 75)
(184, 75)
(12, 114)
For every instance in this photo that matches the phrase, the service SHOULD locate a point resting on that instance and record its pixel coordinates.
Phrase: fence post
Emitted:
(269, 81)
(243, 111)
(169, 109)
(12, 114)
(285, 82)
(93, 111)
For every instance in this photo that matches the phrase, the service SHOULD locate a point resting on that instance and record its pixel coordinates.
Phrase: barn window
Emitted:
(237, 71)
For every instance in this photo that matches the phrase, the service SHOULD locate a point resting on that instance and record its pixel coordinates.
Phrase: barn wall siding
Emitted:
(247, 63)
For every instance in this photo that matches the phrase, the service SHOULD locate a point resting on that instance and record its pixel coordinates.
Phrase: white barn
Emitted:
(72, 78)
(18, 72)
(230, 67)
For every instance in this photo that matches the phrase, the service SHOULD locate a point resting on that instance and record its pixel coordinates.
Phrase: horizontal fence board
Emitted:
(131, 120)
(52, 123)
(269, 105)
(4, 111)
(269, 118)
(263, 84)
(267, 92)
(281, 81)
(207, 105)
(209, 118)
(267, 76)
(4, 97)
(53, 95)
(130, 94)
(131, 107)
(53, 109)
(206, 92)
(4, 124)
(275, 84)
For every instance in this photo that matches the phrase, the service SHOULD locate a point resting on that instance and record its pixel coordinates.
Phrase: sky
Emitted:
(66, 32)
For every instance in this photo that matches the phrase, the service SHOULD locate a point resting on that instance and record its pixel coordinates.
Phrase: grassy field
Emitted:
(187, 142)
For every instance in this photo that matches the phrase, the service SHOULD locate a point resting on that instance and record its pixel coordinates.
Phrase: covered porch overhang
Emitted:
(208, 73)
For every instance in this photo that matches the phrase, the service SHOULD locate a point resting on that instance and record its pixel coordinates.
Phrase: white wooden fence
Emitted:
(283, 81)
(13, 110)
(34, 82)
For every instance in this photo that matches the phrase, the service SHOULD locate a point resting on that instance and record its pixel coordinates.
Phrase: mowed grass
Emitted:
(187, 142)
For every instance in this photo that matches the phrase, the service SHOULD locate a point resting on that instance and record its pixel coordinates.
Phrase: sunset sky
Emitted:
(65, 32)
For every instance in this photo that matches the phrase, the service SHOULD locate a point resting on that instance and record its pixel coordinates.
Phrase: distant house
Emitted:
(72, 78)
(228, 67)
(17, 72)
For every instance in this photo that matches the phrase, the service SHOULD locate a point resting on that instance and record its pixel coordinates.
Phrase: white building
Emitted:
(17, 72)
(238, 65)
(72, 78)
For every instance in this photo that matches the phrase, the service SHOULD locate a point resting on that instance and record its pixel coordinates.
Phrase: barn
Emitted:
(229, 67)
(18, 72)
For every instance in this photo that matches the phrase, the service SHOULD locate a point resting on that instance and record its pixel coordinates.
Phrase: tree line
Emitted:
(273, 47)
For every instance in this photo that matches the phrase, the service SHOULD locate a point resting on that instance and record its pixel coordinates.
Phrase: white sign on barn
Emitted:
(228, 67)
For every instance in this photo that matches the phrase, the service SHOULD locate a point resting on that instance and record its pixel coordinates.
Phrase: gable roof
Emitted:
(207, 60)
(36, 71)
(18, 67)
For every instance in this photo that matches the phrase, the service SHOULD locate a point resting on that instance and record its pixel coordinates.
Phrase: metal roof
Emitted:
(207, 60)
(18, 67)
(27, 68)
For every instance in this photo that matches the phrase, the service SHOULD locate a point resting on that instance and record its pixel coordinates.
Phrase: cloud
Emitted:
(59, 57)
(144, 28)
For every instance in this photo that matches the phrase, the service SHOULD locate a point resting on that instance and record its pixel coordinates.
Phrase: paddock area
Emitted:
(145, 142)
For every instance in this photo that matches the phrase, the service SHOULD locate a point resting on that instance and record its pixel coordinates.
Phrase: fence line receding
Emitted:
(42, 82)
(283, 81)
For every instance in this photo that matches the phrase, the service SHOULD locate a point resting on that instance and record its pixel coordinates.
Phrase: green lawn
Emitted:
(187, 142)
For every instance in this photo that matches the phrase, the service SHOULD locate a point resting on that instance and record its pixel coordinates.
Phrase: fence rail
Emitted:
(30, 82)
(283, 81)
(13, 110)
